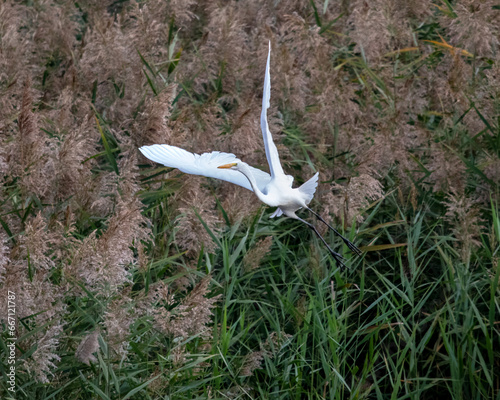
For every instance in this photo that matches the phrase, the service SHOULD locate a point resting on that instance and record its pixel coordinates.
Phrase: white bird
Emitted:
(273, 189)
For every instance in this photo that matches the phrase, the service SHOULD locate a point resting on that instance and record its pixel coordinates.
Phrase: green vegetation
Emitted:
(134, 281)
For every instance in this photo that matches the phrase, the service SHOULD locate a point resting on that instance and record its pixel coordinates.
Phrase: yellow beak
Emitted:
(228, 165)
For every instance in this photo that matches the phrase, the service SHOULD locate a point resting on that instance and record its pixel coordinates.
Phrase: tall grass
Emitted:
(136, 282)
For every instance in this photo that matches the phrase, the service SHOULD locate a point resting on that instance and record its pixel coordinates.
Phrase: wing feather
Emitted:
(205, 164)
(272, 155)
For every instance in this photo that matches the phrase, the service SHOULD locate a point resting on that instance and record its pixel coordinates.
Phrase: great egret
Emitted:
(273, 189)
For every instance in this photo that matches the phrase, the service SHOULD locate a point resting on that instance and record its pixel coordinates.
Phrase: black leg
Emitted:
(349, 244)
(338, 258)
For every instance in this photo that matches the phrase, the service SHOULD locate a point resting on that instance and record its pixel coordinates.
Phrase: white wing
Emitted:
(205, 164)
(271, 151)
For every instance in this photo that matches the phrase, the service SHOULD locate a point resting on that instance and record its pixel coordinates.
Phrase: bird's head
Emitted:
(229, 166)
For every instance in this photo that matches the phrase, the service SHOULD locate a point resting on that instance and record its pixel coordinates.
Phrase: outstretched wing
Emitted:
(271, 151)
(205, 164)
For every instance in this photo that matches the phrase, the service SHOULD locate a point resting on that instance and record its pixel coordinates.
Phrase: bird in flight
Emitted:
(274, 189)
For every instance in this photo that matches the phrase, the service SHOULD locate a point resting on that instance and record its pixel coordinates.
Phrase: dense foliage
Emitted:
(134, 281)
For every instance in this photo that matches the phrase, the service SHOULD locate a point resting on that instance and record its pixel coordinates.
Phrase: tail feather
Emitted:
(309, 187)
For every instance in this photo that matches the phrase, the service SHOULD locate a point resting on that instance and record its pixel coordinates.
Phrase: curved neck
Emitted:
(243, 168)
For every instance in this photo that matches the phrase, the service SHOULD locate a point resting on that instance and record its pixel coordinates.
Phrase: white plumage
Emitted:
(205, 164)
(273, 189)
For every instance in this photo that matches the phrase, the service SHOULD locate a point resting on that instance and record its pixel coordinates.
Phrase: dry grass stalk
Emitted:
(464, 216)
(351, 199)
(86, 348)
(255, 255)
